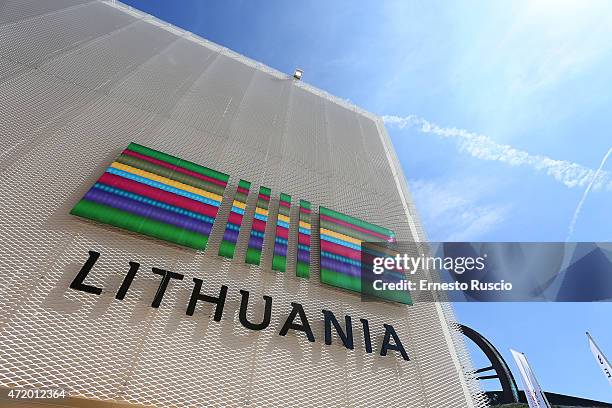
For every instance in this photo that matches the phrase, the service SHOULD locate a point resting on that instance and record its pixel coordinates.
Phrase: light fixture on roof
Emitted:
(298, 74)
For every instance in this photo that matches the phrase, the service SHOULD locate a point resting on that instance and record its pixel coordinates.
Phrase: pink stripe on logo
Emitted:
(259, 225)
(157, 194)
(340, 250)
(173, 167)
(303, 239)
(356, 228)
(282, 232)
(235, 218)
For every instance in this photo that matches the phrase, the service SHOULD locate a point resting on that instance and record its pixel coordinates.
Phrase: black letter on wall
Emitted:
(347, 338)
(163, 285)
(366, 335)
(127, 281)
(196, 295)
(243, 312)
(78, 284)
(305, 326)
(390, 331)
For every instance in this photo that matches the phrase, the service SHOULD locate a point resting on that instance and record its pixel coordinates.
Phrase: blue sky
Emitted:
(500, 113)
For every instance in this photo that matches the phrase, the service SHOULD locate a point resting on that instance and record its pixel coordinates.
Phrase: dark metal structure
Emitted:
(501, 370)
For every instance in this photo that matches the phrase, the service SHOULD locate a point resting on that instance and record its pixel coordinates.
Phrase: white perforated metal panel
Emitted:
(78, 82)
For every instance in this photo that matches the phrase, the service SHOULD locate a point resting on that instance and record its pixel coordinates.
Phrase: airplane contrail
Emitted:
(483, 147)
(584, 196)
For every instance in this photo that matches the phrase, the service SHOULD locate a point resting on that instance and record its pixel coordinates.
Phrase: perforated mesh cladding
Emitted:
(78, 82)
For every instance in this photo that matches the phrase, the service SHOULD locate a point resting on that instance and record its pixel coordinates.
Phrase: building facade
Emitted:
(80, 81)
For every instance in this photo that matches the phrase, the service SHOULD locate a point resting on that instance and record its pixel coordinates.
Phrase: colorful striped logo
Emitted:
(232, 228)
(281, 240)
(156, 194)
(302, 267)
(260, 219)
(341, 238)
(162, 196)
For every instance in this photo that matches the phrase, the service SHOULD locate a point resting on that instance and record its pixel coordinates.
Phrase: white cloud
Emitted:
(452, 213)
(485, 148)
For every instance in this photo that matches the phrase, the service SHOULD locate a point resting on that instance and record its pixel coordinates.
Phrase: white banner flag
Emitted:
(601, 359)
(533, 393)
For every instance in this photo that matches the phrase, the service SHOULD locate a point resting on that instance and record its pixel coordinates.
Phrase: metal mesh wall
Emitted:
(78, 82)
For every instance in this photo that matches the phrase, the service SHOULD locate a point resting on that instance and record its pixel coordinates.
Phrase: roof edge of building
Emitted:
(235, 55)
